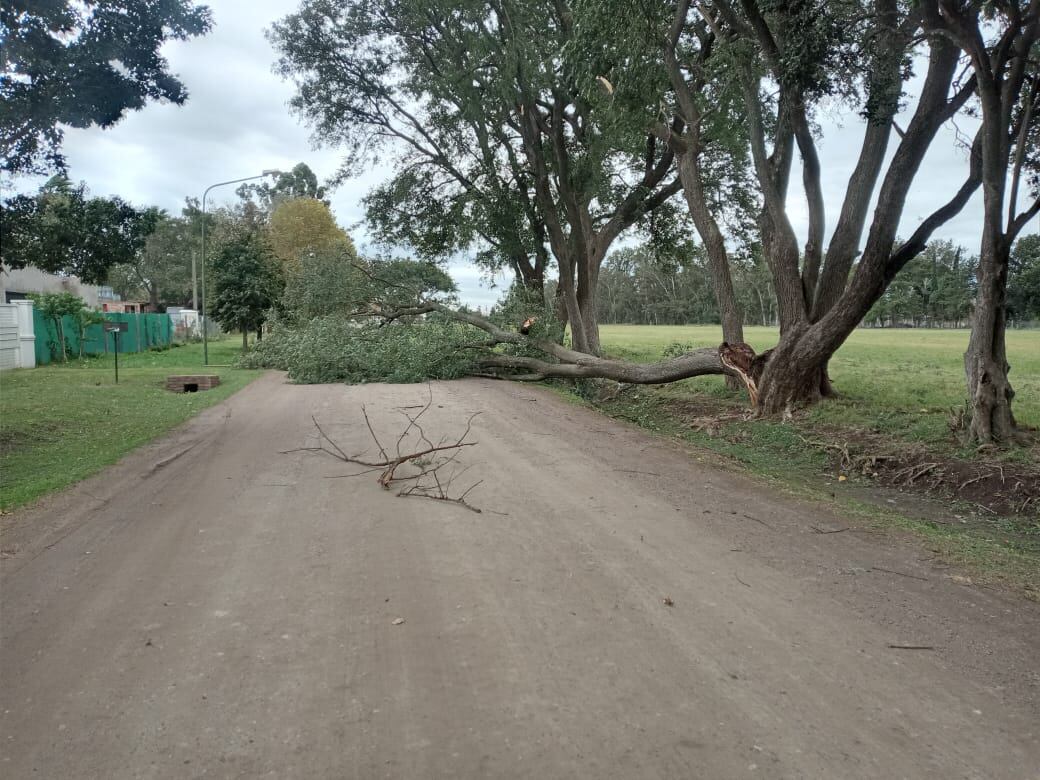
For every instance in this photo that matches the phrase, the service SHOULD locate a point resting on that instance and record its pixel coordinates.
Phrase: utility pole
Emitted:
(194, 284)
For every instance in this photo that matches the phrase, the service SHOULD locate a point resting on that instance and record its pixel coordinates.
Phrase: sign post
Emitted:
(115, 328)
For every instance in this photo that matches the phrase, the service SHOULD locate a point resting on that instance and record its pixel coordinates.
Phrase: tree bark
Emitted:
(985, 361)
(714, 246)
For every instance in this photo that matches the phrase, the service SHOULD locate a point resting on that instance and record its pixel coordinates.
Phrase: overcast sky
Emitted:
(236, 123)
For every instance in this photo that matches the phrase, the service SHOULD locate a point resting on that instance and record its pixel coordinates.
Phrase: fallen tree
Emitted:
(557, 360)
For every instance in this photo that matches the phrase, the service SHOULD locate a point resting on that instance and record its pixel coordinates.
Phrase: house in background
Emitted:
(17, 284)
(123, 307)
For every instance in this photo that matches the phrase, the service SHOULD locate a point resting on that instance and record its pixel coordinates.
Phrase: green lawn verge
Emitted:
(63, 422)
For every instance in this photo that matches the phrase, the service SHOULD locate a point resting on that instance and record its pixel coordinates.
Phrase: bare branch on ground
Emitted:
(433, 478)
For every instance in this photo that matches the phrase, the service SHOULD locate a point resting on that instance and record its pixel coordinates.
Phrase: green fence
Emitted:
(143, 331)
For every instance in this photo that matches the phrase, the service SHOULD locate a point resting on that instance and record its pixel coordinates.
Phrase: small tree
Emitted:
(246, 283)
(84, 319)
(57, 305)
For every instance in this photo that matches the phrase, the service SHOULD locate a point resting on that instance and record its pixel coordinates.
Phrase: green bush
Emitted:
(335, 348)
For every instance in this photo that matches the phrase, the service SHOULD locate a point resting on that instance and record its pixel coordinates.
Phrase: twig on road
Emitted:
(900, 573)
(430, 459)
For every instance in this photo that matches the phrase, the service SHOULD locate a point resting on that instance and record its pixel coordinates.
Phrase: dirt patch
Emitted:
(1004, 489)
(14, 440)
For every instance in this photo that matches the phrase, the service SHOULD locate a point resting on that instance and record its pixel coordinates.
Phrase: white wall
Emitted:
(17, 340)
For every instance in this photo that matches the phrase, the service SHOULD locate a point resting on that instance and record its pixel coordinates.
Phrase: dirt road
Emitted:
(212, 608)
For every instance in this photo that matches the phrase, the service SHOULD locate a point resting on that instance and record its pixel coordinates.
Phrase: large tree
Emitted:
(81, 64)
(785, 61)
(479, 98)
(301, 225)
(161, 270)
(62, 229)
(1001, 41)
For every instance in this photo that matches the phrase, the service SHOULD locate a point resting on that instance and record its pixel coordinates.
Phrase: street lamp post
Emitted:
(202, 310)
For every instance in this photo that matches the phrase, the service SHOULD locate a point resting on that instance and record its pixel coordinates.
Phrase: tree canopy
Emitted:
(300, 182)
(301, 225)
(161, 270)
(62, 229)
(82, 64)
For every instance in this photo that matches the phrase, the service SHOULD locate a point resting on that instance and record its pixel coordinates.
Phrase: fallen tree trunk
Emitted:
(699, 362)
(563, 362)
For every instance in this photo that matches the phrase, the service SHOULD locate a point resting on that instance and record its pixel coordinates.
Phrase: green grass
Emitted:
(902, 382)
(63, 422)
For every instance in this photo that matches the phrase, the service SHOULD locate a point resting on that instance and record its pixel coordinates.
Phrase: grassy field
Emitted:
(904, 381)
(61, 423)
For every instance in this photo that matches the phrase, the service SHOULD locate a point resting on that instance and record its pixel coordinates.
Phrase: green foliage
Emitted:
(161, 272)
(445, 88)
(1024, 280)
(321, 331)
(246, 282)
(326, 282)
(300, 182)
(395, 281)
(84, 319)
(676, 349)
(298, 226)
(81, 64)
(935, 288)
(63, 230)
(522, 304)
(55, 306)
(645, 286)
(336, 281)
(335, 348)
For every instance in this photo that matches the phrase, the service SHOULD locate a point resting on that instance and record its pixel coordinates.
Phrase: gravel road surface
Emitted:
(620, 608)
